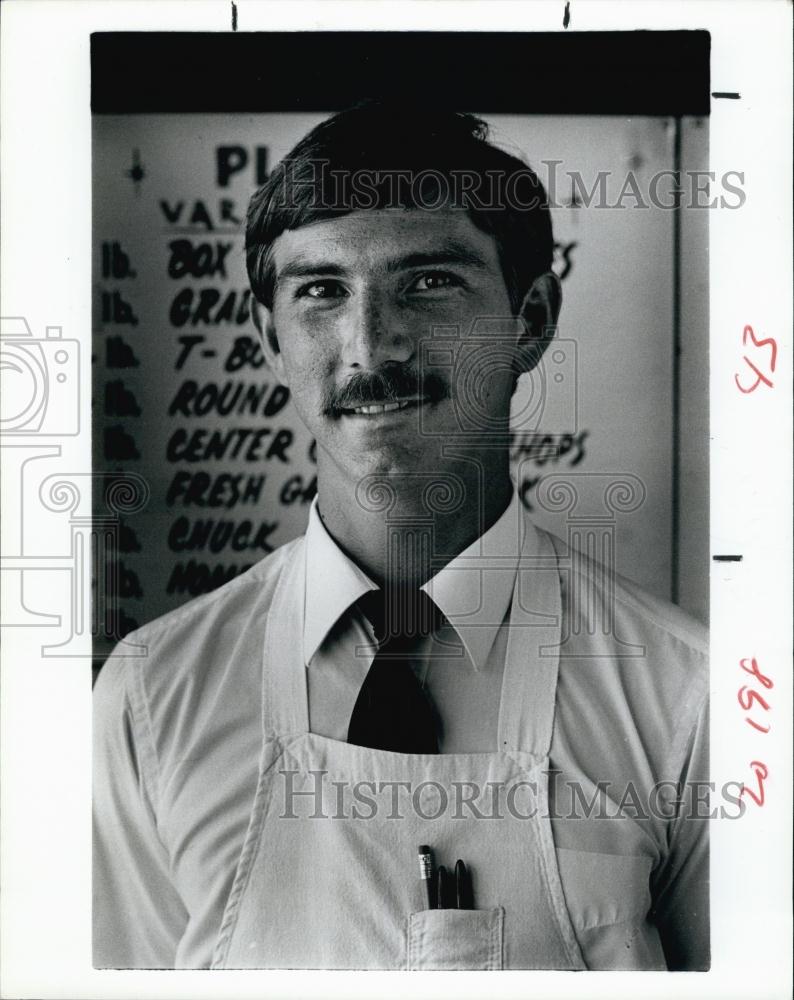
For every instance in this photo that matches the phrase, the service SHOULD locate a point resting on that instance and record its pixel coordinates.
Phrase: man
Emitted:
(425, 666)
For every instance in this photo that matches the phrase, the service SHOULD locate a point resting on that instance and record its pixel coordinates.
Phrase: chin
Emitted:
(393, 460)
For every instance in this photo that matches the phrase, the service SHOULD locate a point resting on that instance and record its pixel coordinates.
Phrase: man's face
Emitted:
(354, 299)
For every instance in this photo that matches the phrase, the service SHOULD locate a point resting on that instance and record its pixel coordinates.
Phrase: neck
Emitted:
(396, 534)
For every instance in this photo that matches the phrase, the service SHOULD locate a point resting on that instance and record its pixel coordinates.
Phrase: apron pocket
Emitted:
(456, 939)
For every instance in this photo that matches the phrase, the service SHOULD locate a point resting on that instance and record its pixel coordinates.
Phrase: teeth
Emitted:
(382, 407)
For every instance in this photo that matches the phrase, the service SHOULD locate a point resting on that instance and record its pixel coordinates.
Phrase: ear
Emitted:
(263, 321)
(539, 312)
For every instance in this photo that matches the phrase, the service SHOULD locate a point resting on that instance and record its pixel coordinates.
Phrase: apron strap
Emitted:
(285, 699)
(529, 685)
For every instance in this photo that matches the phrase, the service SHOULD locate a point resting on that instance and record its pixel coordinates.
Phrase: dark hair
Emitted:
(383, 155)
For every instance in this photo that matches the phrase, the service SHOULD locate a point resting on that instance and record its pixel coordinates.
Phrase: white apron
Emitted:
(328, 876)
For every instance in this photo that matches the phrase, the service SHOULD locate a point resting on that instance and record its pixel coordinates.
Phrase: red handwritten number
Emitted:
(746, 700)
(761, 774)
(761, 378)
(748, 697)
(766, 342)
(754, 670)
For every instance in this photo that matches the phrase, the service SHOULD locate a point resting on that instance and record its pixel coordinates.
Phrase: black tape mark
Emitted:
(234, 16)
(566, 17)
(727, 558)
(728, 95)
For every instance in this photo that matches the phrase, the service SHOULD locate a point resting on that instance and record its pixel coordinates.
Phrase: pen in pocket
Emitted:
(465, 897)
(426, 874)
(443, 893)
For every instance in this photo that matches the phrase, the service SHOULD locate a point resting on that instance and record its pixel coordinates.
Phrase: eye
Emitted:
(321, 290)
(430, 281)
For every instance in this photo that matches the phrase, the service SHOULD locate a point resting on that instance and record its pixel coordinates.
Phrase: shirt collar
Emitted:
(333, 583)
(473, 590)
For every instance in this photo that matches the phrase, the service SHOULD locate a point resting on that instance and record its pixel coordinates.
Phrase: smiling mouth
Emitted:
(378, 409)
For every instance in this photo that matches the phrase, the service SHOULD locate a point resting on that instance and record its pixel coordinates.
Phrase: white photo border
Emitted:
(46, 277)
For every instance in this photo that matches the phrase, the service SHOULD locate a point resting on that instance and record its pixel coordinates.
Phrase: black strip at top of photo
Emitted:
(611, 73)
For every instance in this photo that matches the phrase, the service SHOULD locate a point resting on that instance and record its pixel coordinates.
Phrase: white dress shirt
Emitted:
(178, 738)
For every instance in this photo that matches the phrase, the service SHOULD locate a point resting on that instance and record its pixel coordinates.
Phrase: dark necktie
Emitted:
(392, 711)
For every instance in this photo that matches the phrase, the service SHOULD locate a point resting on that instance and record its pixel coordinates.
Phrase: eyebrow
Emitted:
(449, 252)
(304, 267)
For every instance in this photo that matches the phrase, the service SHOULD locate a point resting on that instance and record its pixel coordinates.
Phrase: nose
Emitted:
(374, 334)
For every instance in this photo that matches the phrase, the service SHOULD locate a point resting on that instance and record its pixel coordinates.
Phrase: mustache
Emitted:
(387, 384)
